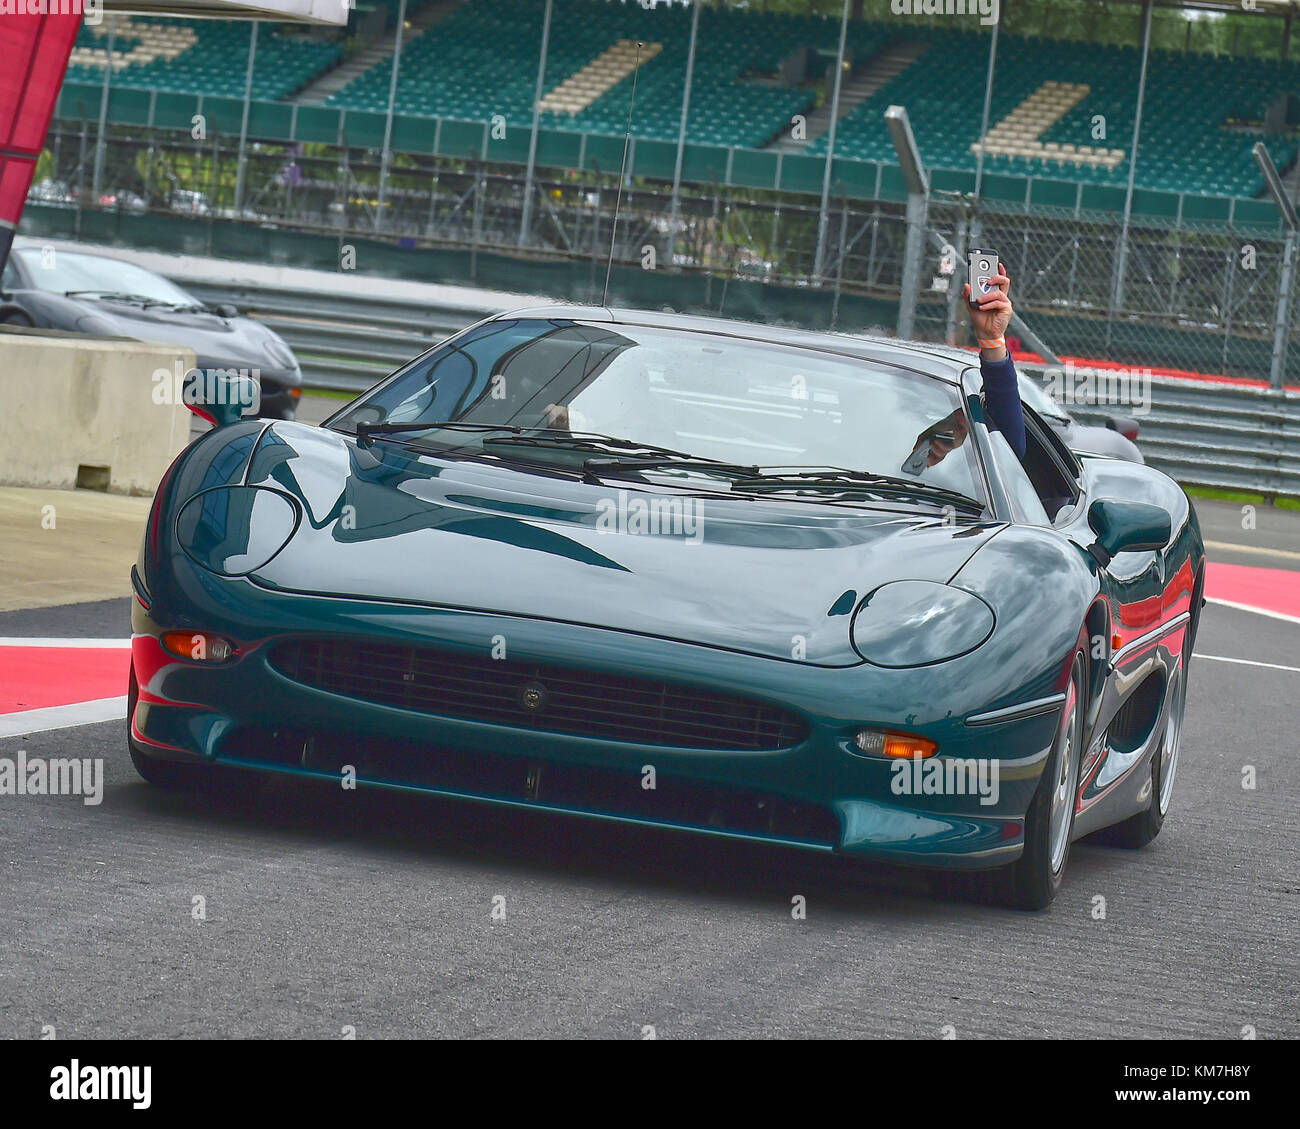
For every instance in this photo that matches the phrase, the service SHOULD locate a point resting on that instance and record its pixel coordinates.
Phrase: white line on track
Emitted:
(87, 644)
(62, 717)
(1251, 608)
(1257, 550)
(1247, 662)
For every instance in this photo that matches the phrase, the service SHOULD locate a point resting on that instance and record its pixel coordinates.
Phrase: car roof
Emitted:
(939, 361)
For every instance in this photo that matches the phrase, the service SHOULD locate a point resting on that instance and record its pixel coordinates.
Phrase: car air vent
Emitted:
(538, 696)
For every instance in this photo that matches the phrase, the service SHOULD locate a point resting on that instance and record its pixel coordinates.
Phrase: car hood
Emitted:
(237, 342)
(774, 578)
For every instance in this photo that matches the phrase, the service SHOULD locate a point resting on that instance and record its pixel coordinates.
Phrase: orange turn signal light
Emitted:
(199, 646)
(1116, 641)
(898, 746)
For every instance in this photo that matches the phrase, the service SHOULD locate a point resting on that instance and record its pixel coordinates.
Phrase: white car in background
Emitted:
(1116, 439)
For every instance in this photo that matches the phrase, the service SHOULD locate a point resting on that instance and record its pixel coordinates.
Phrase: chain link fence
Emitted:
(1170, 295)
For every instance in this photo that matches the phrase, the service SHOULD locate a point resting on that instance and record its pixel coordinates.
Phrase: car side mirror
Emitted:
(1127, 527)
(226, 310)
(1124, 425)
(220, 396)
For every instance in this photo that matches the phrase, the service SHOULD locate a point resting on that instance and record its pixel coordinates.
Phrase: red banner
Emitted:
(35, 49)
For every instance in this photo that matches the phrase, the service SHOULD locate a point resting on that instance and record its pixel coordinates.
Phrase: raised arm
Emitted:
(989, 317)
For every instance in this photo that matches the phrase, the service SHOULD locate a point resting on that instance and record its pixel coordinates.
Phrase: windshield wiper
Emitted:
(555, 438)
(365, 429)
(665, 460)
(586, 441)
(109, 295)
(179, 307)
(852, 481)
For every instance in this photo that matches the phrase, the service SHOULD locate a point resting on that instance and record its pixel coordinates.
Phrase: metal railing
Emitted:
(343, 343)
(1202, 433)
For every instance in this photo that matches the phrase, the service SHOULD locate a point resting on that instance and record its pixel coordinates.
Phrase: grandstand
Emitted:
(1061, 109)
(1187, 145)
(201, 57)
(467, 67)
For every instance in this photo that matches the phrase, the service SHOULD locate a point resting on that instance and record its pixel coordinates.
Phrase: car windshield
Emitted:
(747, 403)
(66, 272)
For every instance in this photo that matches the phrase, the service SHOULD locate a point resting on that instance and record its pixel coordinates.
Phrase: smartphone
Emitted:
(919, 459)
(980, 267)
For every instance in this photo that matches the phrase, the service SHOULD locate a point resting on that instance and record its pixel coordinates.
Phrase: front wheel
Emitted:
(1032, 881)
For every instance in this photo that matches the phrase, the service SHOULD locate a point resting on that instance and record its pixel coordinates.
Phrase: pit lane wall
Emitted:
(82, 411)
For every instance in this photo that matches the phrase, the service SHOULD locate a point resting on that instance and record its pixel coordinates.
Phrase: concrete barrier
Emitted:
(80, 411)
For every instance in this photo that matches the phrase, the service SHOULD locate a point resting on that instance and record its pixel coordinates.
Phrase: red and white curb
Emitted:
(59, 683)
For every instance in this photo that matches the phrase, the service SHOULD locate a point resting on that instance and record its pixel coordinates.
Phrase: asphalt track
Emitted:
(327, 911)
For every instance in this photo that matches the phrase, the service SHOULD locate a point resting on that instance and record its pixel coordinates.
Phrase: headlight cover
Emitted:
(918, 622)
(235, 530)
(278, 351)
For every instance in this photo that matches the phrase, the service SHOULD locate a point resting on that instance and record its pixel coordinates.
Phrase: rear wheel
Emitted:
(1031, 882)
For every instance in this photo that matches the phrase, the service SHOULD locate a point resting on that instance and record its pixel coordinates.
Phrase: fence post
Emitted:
(96, 177)
(839, 262)
(984, 122)
(1121, 266)
(243, 124)
(954, 287)
(681, 139)
(1286, 278)
(819, 261)
(918, 202)
(1282, 321)
(386, 156)
(526, 215)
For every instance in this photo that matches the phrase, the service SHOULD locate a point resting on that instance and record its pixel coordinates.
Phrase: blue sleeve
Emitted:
(1002, 402)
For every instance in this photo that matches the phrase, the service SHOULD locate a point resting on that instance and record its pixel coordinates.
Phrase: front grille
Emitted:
(538, 696)
(693, 804)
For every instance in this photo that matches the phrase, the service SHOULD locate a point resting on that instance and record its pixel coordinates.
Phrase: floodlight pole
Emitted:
(100, 141)
(984, 126)
(526, 218)
(1286, 279)
(918, 203)
(386, 156)
(1121, 261)
(243, 124)
(681, 137)
(819, 263)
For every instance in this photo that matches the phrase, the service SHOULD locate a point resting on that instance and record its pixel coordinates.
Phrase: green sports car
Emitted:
(676, 571)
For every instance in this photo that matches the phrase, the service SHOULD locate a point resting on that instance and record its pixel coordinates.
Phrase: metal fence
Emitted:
(1199, 432)
(1170, 294)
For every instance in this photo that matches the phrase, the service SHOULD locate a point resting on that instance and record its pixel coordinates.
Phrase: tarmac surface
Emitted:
(318, 910)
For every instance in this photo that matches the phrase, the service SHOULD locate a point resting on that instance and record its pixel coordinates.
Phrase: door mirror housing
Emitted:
(221, 396)
(1127, 527)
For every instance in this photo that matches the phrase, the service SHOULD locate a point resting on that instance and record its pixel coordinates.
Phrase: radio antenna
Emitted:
(622, 172)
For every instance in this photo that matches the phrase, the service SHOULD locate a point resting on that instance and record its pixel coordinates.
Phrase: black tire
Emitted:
(217, 781)
(1138, 830)
(1032, 881)
(16, 317)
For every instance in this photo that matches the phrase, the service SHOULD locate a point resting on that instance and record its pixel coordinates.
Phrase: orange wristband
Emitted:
(992, 343)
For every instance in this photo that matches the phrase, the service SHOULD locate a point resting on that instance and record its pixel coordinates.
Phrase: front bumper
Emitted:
(816, 794)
